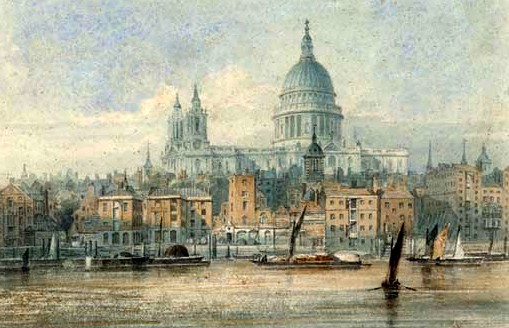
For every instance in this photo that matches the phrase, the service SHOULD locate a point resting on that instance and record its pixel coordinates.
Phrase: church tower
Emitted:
(176, 126)
(314, 162)
(196, 124)
(483, 162)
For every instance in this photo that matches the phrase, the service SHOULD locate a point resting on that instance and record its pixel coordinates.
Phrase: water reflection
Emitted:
(391, 306)
(25, 278)
(240, 294)
(433, 277)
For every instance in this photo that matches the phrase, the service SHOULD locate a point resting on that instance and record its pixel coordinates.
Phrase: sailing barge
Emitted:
(391, 284)
(346, 261)
(435, 248)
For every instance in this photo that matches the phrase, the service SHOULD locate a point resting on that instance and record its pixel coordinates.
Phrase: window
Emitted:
(203, 211)
(244, 205)
(10, 202)
(410, 205)
(115, 238)
(125, 206)
(387, 205)
(10, 220)
(362, 216)
(370, 202)
(332, 217)
(244, 194)
(393, 210)
(401, 205)
(370, 216)
(192, 223)
(105, 238)
(341, 216)
(362, 228)
(370, 228)
(331, 202)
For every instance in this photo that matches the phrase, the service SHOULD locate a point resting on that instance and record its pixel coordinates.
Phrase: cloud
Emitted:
(87, 85)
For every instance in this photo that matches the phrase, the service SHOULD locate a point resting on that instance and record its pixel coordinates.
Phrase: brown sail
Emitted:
(438, 250)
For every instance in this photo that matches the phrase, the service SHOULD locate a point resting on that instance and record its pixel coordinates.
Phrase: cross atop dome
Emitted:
(307, 43)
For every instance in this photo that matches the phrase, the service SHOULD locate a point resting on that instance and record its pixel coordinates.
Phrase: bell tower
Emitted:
(196, 124)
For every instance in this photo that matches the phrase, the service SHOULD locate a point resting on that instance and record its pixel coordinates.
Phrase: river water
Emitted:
(239, 294)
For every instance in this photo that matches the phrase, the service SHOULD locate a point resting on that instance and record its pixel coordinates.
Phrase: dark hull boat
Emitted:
(448, 261)
(167, 262)
(134, 262)
(177, 256)
(311, 261)
(347, 261)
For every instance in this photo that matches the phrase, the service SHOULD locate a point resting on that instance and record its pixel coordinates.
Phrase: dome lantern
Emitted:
(307, 44)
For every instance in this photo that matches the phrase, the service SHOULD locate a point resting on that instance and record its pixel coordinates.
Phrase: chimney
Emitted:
(390, 181)
(404, 183)
(374, 183)
(46, 203)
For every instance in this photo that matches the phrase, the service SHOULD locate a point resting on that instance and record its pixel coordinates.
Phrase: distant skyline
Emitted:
(85, 85)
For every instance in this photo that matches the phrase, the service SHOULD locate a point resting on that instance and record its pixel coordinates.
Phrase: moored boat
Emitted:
(437, 254)
(176, 256)
(338, 260)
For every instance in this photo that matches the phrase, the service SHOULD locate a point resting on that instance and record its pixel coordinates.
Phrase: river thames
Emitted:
(239, 294)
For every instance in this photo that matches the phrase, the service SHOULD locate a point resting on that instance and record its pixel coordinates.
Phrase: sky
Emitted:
(86, 84)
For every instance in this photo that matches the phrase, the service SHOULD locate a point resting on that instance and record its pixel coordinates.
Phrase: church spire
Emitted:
(429, 166)
(313, 138)
(464, 157)
(307, 43)
(196, 103)
(148, 163)
(176, 106)
(195, 93)
(148, 151)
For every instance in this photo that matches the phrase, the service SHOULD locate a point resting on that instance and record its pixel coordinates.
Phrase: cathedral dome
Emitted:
(307, 74)
(307, 99)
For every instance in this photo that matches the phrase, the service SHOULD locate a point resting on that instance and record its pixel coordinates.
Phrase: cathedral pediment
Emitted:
(331, 147)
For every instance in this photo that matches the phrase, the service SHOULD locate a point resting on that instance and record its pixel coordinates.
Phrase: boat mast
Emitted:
(295, 232)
